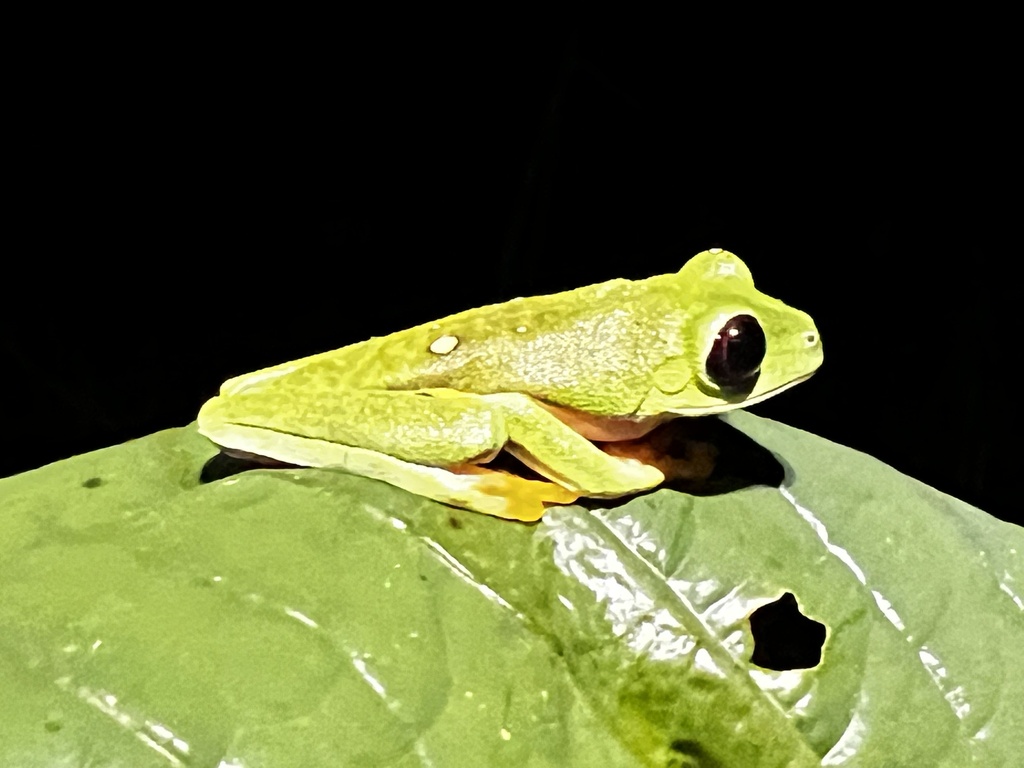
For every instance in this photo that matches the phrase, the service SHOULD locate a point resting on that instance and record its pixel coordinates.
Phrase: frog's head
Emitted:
(741, 346)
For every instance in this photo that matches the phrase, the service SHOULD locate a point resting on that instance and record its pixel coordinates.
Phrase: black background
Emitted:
(188, 214)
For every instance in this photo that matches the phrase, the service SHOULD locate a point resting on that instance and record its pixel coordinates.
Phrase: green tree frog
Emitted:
(550, 379)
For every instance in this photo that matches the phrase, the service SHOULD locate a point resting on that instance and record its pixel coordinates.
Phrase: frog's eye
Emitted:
(735, 358)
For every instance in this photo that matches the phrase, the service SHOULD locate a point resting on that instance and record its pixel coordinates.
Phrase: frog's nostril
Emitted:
(810, 338)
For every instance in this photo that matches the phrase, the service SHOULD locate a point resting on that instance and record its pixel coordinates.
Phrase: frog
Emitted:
(557, 381)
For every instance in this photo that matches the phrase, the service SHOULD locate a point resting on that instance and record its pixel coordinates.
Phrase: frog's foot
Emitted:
(501, 494)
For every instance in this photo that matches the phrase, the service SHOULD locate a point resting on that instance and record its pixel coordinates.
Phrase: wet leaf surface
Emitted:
(306, 617)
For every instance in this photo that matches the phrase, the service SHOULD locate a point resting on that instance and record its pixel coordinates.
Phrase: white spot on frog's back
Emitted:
(442, 345)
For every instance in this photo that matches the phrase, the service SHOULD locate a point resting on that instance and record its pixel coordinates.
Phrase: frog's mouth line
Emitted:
(732, 406)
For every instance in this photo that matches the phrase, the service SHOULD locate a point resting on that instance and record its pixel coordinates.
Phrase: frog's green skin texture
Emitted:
(424, 407)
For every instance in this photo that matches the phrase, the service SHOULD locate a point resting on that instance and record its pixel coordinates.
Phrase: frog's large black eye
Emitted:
(735, 359)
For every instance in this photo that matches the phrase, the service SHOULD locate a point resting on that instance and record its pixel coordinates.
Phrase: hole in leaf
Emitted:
(784, 638)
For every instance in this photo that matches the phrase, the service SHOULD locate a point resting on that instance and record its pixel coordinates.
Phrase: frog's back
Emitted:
(594, 345)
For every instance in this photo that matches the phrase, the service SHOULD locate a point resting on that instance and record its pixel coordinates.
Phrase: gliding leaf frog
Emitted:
(548, 379)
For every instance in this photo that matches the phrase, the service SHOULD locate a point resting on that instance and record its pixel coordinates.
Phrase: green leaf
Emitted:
(311, 618)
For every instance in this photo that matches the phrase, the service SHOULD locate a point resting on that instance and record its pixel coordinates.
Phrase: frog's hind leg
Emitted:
(423, 443)
(467, 486)
(419, 427)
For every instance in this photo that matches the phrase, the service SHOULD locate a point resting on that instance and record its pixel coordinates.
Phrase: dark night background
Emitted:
(187, 217)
